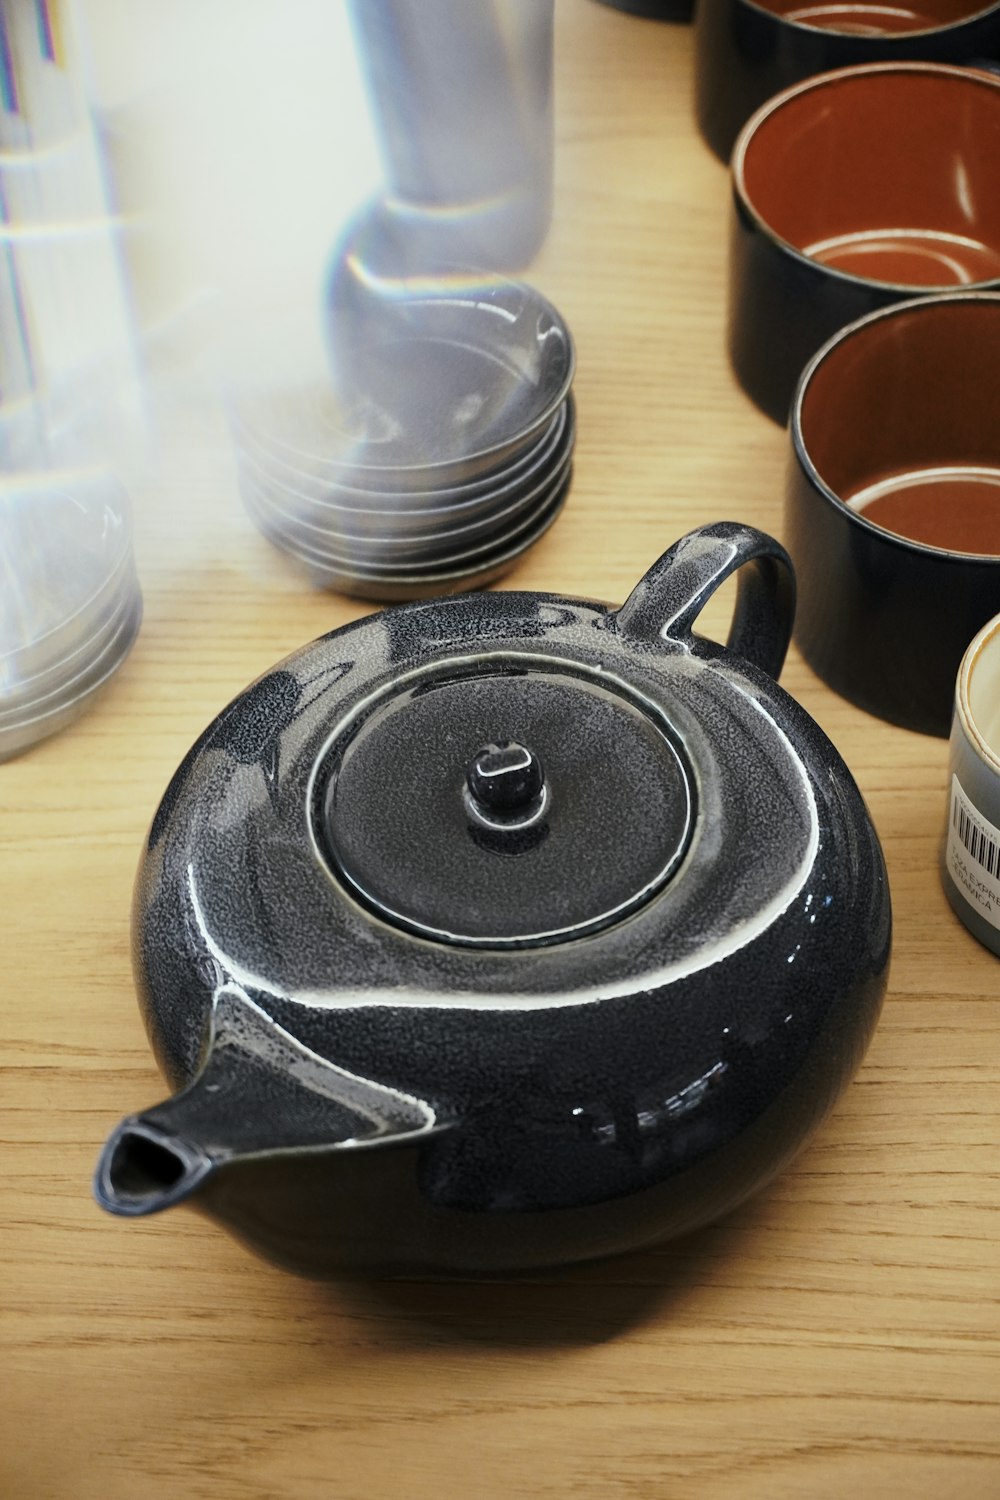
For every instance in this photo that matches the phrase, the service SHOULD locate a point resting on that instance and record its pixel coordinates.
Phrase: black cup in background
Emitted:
(865, 159)
(746, 52)
(654, 10)
(882, 619)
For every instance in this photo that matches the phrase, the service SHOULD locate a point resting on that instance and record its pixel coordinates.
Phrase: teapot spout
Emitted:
(144, 1168)
(259, 1091)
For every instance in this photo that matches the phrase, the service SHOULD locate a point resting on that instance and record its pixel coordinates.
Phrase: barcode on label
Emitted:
(983, 849)
(972, 855)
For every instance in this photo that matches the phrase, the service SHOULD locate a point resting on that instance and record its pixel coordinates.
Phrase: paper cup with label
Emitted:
(971, 858)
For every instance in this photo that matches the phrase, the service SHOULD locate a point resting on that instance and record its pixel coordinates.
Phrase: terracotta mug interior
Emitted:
(858, 18)
(887, 173)
(899, 420)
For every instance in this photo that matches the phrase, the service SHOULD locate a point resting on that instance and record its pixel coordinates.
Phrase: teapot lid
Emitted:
(504, 801)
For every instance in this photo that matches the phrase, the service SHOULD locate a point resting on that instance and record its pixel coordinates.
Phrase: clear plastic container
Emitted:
(70, 603)
(70, 394)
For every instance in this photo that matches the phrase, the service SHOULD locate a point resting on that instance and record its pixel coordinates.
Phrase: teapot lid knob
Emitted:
(505, 782)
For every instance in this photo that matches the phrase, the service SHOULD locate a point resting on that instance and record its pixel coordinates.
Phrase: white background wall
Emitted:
(238, 138)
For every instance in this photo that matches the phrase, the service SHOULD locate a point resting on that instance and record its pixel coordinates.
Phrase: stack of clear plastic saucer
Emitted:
(70, 603)
(439, 451)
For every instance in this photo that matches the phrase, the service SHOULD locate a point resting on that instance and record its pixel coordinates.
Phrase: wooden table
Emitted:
(839, 1335)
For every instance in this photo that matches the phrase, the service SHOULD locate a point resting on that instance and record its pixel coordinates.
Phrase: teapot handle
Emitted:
(667, 601)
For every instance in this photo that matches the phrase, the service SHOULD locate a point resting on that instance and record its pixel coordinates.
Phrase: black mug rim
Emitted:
(884, 38)
(891, 539)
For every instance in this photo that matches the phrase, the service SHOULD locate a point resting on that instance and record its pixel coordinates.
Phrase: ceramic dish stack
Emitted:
(438, 453)
(70, 604)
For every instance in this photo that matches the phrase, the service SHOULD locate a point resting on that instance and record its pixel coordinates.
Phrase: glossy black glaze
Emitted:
(867, 620)
(745, 55)
(655, 10)
(505, 783)
(357, 1097)
(783, 307)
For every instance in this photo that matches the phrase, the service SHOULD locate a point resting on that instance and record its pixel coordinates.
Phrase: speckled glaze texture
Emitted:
(359, 1097)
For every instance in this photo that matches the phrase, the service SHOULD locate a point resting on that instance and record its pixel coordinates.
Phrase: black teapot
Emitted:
(504, 930)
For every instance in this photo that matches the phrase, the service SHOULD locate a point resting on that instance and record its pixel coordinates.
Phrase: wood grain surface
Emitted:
(837, 1337)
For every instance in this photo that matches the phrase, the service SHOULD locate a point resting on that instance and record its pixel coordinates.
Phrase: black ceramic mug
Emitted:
(746, 51)
(893, 504)
(853, 191)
